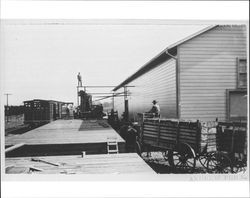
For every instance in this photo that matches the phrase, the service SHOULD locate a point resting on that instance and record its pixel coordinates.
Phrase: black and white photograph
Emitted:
(140, 98)
(88, 97)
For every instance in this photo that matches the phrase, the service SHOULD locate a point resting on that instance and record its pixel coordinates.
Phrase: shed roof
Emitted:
(36, 100)
(43, 100)
(162, 56)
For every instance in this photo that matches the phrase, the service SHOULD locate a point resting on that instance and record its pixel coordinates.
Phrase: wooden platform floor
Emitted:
(125, 163)
(66, 132)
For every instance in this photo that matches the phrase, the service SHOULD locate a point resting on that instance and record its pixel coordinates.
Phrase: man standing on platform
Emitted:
(79, 77)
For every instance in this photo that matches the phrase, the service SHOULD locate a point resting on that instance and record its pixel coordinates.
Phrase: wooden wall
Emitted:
(208, 67)
(157, 84)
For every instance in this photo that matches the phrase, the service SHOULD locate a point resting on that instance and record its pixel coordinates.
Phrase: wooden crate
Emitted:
(232, 137)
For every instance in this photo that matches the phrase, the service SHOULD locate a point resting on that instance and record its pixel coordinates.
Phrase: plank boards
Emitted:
(161, 131)
(126, 163)
(63, 132)
(65, 137)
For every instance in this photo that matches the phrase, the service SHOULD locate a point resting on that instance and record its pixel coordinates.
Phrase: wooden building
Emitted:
(203, 76)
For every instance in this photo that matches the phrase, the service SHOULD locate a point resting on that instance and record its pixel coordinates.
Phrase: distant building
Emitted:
(39, 111)
(203, 77)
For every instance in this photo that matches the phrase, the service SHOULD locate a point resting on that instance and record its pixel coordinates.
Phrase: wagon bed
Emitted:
(166, 134)
(184, 142)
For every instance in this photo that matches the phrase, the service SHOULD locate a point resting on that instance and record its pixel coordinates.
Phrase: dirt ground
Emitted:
(159, 163)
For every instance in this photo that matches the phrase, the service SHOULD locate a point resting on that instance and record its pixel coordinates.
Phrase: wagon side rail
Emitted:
(167, 134)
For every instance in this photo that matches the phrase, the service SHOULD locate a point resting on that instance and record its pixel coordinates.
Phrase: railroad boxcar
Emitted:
(38, 111)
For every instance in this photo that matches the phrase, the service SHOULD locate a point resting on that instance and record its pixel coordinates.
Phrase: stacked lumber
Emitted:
(122, 163)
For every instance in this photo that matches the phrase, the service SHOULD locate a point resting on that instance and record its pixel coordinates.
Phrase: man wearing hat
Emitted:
(155, 109)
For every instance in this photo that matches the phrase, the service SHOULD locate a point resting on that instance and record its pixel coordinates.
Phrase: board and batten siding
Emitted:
(158, 84)
(208, 66)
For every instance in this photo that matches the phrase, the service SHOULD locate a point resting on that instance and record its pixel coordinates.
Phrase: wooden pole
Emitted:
(126, 104)
(77, 96)
(113, 102)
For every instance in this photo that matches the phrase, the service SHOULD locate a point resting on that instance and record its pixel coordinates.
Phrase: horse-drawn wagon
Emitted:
(185, 142)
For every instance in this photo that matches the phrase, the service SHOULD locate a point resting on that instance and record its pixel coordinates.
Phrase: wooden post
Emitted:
(126, 111)
(232, 143)
(7, 108)
(77, 96)
(159, 130)
(142, 130)
(198, 135)
(113, 101)
(178, 133)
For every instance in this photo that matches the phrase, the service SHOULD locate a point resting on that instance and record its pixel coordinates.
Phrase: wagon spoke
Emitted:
(176, 162)
(183, 158)
(190, 163)
(182, 165)
(219, 163)
(185, 165)
(176, 155)
(203, 160)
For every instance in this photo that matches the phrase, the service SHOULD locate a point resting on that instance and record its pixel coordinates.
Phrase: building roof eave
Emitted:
(170, 49)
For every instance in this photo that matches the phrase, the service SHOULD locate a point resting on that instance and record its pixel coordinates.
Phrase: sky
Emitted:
(41, 59)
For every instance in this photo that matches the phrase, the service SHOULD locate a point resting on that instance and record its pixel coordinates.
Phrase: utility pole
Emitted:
(7, 112)
(77, 96)
(126, 113)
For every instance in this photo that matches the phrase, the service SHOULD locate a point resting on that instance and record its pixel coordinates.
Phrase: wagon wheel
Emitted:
(219, 162)
(241, 167)
(182, 158)
(138, 148)
(203, 159)
(238, 166)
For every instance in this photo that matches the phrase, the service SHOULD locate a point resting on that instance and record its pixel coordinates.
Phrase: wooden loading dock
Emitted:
(122, 163)
(64, 137)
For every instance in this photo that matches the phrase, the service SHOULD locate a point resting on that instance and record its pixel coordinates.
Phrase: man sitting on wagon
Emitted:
(155, 109)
